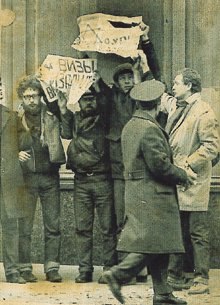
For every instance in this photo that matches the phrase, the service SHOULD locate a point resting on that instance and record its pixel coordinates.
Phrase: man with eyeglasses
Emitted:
(41, 154)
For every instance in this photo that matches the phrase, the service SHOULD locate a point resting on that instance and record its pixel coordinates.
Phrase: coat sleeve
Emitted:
(67, 125)
(152, 61)
(209, 141)
(154, 150)
(24, 136)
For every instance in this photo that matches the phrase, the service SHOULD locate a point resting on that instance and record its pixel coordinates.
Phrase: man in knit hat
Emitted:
(120, 108)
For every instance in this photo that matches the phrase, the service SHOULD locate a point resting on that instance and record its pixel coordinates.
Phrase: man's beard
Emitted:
(89, 112)
(33, 110)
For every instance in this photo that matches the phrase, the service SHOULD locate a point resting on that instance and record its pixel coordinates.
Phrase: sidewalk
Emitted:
(67, 292)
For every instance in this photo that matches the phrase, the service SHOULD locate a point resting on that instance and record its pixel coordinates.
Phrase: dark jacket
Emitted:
(88, 150)
(46, 149)
(12, 198)
(151, 208)
(120, 110)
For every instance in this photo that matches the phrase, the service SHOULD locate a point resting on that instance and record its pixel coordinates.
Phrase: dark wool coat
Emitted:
(12, 199)
(151, 208)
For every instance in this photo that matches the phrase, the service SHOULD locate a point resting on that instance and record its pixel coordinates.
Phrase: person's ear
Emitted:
(189, 86)
(116, 84)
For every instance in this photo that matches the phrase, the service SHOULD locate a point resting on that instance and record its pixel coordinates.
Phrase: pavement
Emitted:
(68, 292)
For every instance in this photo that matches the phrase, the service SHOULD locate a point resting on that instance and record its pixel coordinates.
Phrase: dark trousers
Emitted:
(119, 202)
(9, 240)
(46, 187)
(90, 193)
(135, 262)
(195, 231)
(10, 245)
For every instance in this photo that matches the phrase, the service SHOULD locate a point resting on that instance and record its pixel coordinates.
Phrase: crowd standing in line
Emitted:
(126, 166)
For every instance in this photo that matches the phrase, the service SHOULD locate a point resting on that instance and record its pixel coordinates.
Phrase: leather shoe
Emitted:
(28, 276)
(85, 277)
(178, 283)
(130, 282)
(114, 286)
(199, 288)
(53, 276)
(15, 278)
(102, 280)
(165, 299)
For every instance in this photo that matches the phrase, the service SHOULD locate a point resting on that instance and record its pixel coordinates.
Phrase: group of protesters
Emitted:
(141, 159)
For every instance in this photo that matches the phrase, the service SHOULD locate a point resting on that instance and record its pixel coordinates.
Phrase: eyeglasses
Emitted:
(28, 97)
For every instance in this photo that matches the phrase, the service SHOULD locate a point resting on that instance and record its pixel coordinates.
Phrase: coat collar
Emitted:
(185, 112)
(144, 115)
(5, 115)
(194, 97)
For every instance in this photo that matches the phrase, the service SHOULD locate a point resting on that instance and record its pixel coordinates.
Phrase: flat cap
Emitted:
(88, 93)
(123, 68)
(147, 91)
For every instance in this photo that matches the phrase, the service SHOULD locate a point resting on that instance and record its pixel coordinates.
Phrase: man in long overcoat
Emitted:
(12, 191)
(152, 230)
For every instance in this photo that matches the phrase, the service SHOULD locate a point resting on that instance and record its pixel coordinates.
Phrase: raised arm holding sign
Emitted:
(68, 75)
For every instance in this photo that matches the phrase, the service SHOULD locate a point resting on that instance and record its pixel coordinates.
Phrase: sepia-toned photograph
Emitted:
(110, 149)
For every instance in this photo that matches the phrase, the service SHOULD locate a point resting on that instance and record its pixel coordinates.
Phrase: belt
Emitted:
(137, 174)
(90, 174)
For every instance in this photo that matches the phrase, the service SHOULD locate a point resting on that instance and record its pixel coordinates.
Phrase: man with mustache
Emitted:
(41, 154)
(88, 158)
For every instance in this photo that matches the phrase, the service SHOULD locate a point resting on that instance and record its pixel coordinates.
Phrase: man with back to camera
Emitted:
(152, 229)
(88, 158)
(194, 138)
(12, 190)
(41, 154)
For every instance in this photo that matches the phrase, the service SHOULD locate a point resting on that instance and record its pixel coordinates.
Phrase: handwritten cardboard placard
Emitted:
(109, 34)
(70, 75)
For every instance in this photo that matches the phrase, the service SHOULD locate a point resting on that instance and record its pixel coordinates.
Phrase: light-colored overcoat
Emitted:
(194, 141)
(151, 209)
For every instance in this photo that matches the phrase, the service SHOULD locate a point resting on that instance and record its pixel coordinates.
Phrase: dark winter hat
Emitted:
(88, 94)
(122, 69)
(147, 91)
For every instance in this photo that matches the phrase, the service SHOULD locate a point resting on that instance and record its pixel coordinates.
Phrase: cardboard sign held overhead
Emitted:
(109, 34)
(70, 75)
